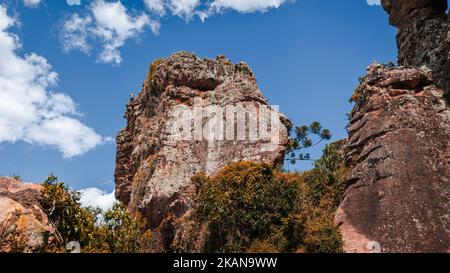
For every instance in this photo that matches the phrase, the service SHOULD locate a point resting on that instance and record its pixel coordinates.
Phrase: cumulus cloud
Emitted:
(75, 34)
(246, 6)
(187, 9)
(183, 8)
(31, 3)
(28, 110)
(108, 23)
(35, 3)
(156, 6)
(96, 198)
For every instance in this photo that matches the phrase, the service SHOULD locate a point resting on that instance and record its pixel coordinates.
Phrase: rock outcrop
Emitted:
(424, 35)
(399, 151)
(165, 142)
(23, 223)
(398, 148)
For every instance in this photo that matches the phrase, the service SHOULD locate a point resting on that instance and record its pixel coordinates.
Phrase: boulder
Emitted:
(23, 223)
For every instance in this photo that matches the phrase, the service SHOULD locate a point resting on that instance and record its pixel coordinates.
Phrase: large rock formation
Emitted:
(399, 151)
(423, 36)
(23, 223)
(163, 144)
(398, 195)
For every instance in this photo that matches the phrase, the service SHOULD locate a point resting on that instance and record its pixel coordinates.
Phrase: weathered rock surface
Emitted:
(22, 220)
(423, 36)
(154, 165)
(399, 151)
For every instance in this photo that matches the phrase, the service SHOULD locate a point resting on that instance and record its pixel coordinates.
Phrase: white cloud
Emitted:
(31, 3)
(188, 8)
(75, 35)
(28, 110)
(247, 5)
(108, 23)
(155, 26)
(156, 6)
(96, 198)
(183, 8)
(35, 3)
(74, 2)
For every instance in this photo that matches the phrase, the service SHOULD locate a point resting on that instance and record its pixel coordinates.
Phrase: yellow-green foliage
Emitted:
(73, 222)
(243, 203)
(122, 232)
(255, 208)
(116, 230)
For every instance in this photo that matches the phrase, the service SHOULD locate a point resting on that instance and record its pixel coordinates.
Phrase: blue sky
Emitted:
(307, 56)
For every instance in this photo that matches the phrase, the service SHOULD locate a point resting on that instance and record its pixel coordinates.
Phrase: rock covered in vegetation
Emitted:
(154, 168)
(398, 193)
(23, 223)
(423, 36)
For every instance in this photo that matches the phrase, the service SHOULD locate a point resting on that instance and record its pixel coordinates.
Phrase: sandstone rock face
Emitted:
(423, 36)
(22, 221)
(399, 150)
(165, 143)
(398, 195)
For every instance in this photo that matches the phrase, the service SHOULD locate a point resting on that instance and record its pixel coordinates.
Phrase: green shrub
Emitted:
(244, 202)
(252, 207)
(116, 230)
(71, 220)
(312, 227)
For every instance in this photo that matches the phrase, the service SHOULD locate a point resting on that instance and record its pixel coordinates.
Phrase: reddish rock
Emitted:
(402, 12)
(22, 220)
(398, 192)
(153, 167)
(422, 38)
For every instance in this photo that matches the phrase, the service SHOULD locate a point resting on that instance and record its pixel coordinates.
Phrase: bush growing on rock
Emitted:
(254, 207)
(243, 203)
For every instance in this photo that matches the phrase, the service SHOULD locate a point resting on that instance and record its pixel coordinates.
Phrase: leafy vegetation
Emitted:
(116, 230)
(248, 207)
(241, 206)
(313, 229)
(255, 208)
